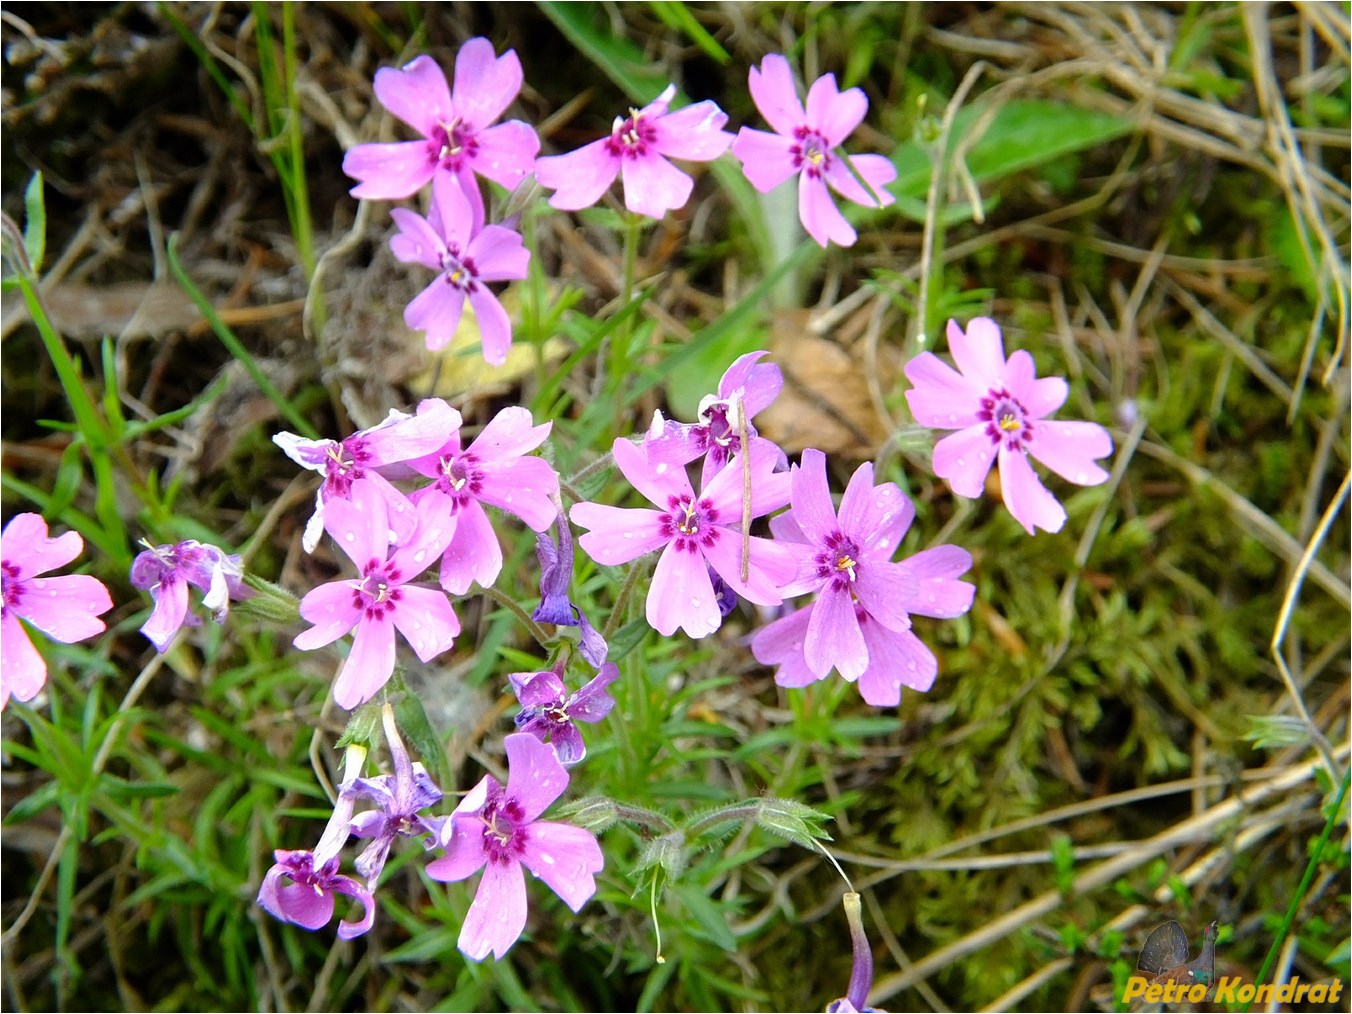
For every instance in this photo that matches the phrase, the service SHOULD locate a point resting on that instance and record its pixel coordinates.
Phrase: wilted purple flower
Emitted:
(548, 711)
(381, 600)
(398, 798)
(803, 145)
(457, 136)
(466, 258)
(855, 1001)
(635, 150)
(999, 409)
(361, 456)
(65, 608)
(556, 576)
(747, 388)
(494, 469)
(166, 571)
(694, 530)
(498, 830)
(860, 622)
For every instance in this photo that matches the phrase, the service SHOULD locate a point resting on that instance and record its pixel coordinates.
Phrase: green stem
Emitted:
(510, 604)
(621, 602)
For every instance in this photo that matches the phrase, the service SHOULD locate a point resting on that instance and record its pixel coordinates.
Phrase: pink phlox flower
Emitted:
(550, 713)
(804, 145)
(457, 135)
(65, 608)
(301, 885)
(494, 469)
(693, 531)
(747, 388)
(860, 622)
(498, 830)
(637, 150)
(1000, 410)
(398, 798)
(381, 600)
(366, 454)
(466, 258)
(166, 571)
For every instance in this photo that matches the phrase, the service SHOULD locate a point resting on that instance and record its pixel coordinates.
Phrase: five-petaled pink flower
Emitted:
(381, 600)
(1000, 409)
(635, 151)
(494, 469)
(804, 143)
(498, 830)
(466, 259)
(65, 608)
(860, 623)
(694, 530)
(457, 136)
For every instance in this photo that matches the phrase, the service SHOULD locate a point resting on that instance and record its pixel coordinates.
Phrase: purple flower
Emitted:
(166, 571)
(498, 830)
(466, 258)
(548, 711)
(695, 530)
(381, 600)
(635, 150)
(803, 144)
(363, 454)
(398, 798)
(999, 409)
(556, 575)
(64, 608)
(855, 1001)
(747, 388)
(494, 469)
(457, 136)
(860, 622)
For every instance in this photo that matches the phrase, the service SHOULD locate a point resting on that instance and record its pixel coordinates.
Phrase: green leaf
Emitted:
(707, 915)
(676, 16)
(35, 223)
(619, 59)
(427, 746)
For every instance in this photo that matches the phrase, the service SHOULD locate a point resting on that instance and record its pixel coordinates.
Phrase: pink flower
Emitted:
(495, 470)
(803, 143)
(456, 131)
(999, 408)
(381, 600)
(166, 571)
(860, 623)
(694, 530)
(635, 150)
(466, 259)
(363, 454)
(64, 608)
(498, 830)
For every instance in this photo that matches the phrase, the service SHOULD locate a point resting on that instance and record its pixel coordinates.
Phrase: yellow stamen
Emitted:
(1008, 422)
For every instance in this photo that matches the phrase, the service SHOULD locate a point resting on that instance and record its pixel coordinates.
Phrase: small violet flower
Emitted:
(381, 600)
(860, 622)
(456, 126)
(747, 388)
(466, 258)
(1000, 409)
(362, 456)
(548, 711)
(556, 576)
(498, 830)
(694, 530)
(398, 798)
(494, 469)
(166, 571)
(65, 608)
(804, 143)
(637, 150)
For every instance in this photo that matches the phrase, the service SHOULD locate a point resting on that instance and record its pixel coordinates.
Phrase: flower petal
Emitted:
(507, 153)
(694, 133)
(465, 855)
(485, 83)
(538, 689)
(781, 643)
(332, 610)
(653, 186)
(941, 397)
(756, 383)
(473, 554)
(979, 351)
(658, 480)
(389, 172)
(495, 327)
(1025, 496)
(498, 254)
(346, 928)
(775, 95)
(682, 595)
(819, 214)
(509, 434)
(875, 170)
(938, 593)
(360, 526)
(896, 659)
(22, 670)
(965, 458)
(833, 636)
(498, 914)
(535, 778)
(171, 606)
(593, 702)
(27, 546)
(770, 565)
(416, 242)
(425, 617)
(369, 665)
(1069, 450)
(436, 310)
(767, 160)
(835, 114)
(580, 178)
(812, 506)
(770, 490)
(566, 858)
(65, 608)
(885, 590)
(618, 534)
(416, 93)
(523, 487)
(875, 516)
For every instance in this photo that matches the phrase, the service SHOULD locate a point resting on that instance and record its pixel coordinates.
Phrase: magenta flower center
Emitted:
(632, 137)
(458, 271)
(11, 587)
(343, 465)
(811, 154)
(505, 832)
(378, 592)
(461, 478)
(1006, 419)
(690, 523)
(838, 561)
(453, 143)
